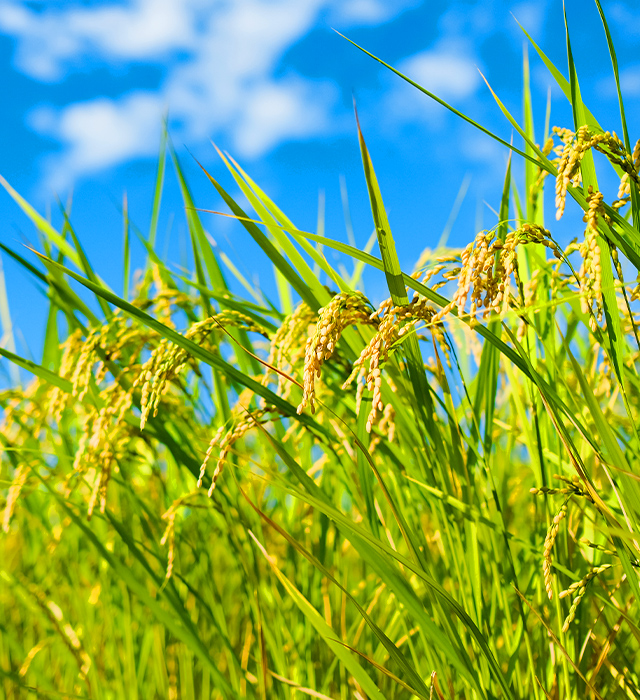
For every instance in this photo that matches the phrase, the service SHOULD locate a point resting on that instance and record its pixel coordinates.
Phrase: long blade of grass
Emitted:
(157, 191)
(455, 210)
(51, 351)
(126, 253)
(395, 283)
(388, 255)
(197, 230)
(562, 82)
(46, 374)
(86, 266)
(442, 102)
(588, 170)
(8, 338)
(267, 246)
(42, 224)
(284, 224)
(272, 217)
(635, 197)
(322, 628)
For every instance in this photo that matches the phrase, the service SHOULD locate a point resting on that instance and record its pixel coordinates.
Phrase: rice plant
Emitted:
(206, 495)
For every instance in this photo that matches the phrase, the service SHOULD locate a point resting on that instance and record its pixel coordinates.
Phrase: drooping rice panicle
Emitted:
(576, 145)
(344, 310)
(590, 274)
(168, 359)
(395, 323)
(580, 588)
(287, 577)
(288, 346)
(487, 266)
(549, 541)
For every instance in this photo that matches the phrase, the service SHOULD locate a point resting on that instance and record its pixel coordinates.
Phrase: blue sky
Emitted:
(85, 85)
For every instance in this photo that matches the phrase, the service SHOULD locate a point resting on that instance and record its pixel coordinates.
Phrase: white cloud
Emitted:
(369, 11)
(531, 16)
(629, 83)
(448, 73)
(220, 60)
(147, 28)
(626, 18)
(235, 56)
(51, 41)
(98, 134)
(290, 109)
(448, 70)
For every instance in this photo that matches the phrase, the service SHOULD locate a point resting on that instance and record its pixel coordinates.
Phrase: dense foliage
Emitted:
(213, 496)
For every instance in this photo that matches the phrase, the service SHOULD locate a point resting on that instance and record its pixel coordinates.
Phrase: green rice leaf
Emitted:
(126, 254)
(322, 628)
(439, 101)
(202, 247)
(157, 192)
(267, 246)
(635, 197)
(587, 167)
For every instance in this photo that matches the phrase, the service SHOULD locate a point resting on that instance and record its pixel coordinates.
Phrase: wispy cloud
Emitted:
(98, 134)
(448, 69)
(219, 59)
(368, 11)
(223, 76)
(629, 83)
(626, 16)
(289, 109)
(50, 42)
(531, 15)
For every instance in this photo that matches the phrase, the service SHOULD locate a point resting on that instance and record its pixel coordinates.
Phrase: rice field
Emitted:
(206, 493)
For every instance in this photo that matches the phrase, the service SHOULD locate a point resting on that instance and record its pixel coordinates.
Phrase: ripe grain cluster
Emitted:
(209, 494)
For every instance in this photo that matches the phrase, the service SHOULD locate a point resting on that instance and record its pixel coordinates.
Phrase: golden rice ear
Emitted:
(72, 348)
(487, 266)
(168, 360)
(344, 310)
(590, 274)
(237, 432)
(549, 541)
(169, 537)
(576, 145)
(580, 587)
(19, 480)
(396, 322)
